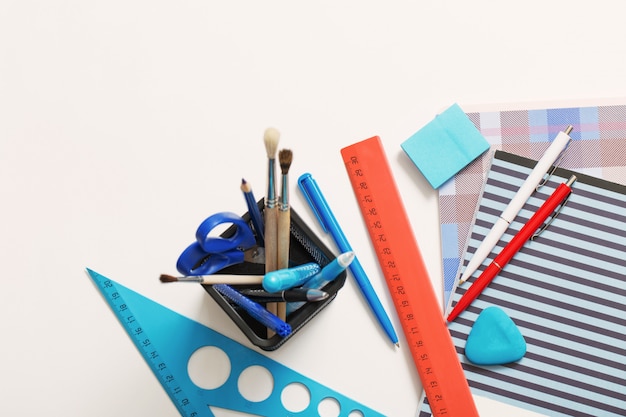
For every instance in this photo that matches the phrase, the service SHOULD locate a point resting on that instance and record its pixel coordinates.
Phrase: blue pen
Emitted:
(256, 310)
(329, 224)
(323, 277)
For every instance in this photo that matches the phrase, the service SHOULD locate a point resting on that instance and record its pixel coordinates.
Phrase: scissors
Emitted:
(209, 254)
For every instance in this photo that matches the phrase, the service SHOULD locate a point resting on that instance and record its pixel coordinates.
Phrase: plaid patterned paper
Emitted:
(566, 292)
(598, 148)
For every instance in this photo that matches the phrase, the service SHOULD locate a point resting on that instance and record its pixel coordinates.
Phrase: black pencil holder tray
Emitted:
(304, 247)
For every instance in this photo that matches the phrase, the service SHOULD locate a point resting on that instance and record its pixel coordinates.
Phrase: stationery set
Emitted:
(564, 283)
(533, 246)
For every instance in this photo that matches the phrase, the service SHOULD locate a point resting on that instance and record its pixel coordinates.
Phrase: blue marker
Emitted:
(329, 224)
(256, 310)
(330, 271)
(326, 275)
(284, 279)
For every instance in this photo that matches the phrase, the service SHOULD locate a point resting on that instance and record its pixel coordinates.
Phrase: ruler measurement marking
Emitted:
(398, 294)
(380, 203)
(166, 340)
(144, 344)
(396, 287)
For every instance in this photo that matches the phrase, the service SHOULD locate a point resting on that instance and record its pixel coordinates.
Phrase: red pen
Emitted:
(525, 233)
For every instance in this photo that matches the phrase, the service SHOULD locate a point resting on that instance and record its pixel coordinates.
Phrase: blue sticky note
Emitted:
(445, 146)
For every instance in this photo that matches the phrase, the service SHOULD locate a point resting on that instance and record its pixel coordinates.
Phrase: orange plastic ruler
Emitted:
(406, 275)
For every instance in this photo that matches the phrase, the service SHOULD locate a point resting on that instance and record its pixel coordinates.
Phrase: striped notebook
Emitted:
(566, 292)
(598, 148)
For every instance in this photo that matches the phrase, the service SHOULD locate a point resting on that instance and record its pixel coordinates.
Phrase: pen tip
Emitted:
(397, 344)
(316, 295)
(345, 259)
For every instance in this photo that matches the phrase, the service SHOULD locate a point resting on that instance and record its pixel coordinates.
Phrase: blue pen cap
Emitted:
(314, 197)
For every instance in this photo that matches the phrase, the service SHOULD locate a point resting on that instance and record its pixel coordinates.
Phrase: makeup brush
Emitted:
(271, 138)
(285, 156)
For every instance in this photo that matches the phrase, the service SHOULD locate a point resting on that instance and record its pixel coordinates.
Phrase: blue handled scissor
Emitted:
(209, 254)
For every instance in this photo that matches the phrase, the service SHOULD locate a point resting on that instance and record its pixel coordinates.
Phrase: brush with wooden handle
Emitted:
(270, 214)
(285, 157)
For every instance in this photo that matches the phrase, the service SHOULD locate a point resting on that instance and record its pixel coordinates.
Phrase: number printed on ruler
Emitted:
(394, 279)
(168, 340)
(143, 343)
(406, 276)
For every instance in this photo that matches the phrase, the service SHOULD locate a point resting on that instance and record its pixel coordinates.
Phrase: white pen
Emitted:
(515, 205)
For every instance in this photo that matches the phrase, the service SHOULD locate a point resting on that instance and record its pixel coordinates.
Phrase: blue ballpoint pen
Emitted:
(329, 224)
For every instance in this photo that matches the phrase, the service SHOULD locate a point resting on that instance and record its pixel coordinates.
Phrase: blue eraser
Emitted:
(445, 146)
(494, 339)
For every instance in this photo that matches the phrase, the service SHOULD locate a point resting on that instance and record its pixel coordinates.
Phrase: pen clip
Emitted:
(556, 213)
(559, 159)
(307, 186)
(546, 225)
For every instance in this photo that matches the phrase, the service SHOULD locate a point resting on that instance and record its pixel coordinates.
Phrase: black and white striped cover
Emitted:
(566, 292)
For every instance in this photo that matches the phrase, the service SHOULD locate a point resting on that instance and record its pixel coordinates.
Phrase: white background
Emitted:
(123, 124)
